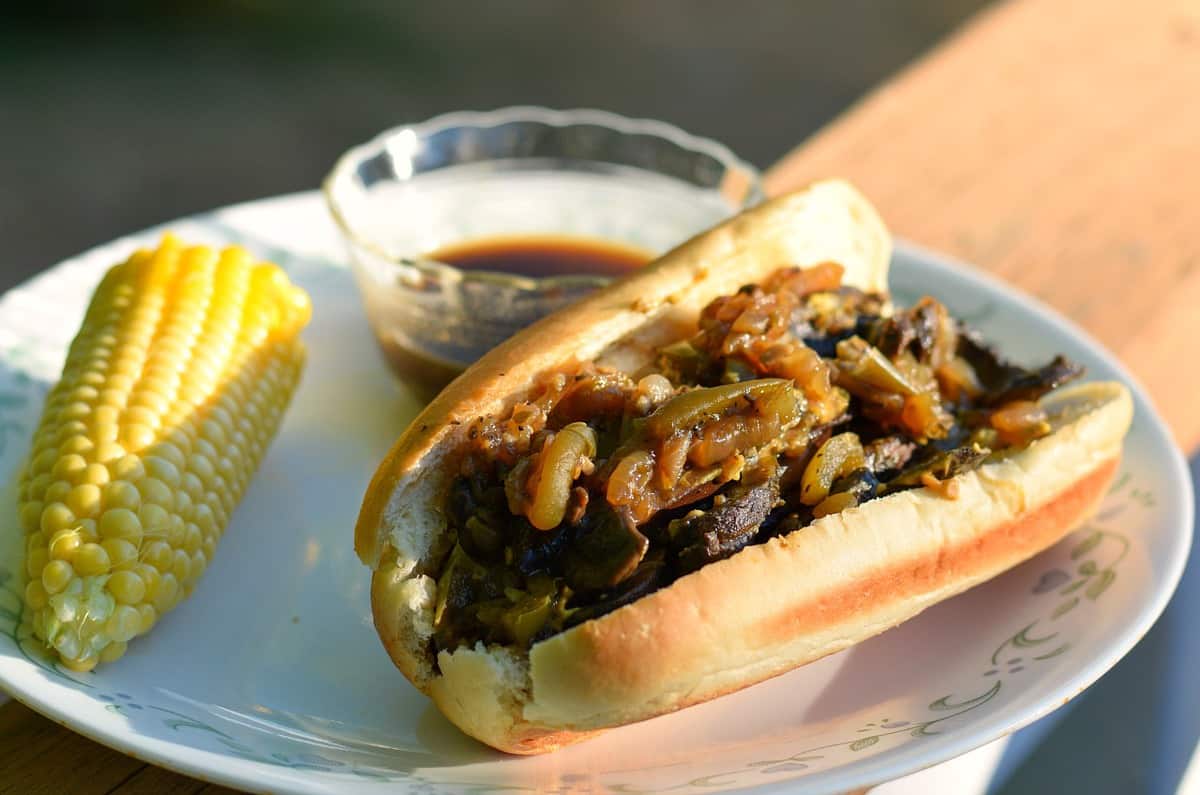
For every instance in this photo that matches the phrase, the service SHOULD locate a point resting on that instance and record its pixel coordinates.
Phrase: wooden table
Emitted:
(1055, 143)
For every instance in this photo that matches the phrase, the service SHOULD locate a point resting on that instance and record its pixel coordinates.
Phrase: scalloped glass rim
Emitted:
(341, 179)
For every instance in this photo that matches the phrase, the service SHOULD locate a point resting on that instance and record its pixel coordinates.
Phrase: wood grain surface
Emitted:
(39, 757)
(1055, 143)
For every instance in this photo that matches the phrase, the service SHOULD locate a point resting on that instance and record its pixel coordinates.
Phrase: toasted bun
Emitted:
(767, 609)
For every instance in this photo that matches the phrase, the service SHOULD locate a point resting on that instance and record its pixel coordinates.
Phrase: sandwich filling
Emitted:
(797, 398)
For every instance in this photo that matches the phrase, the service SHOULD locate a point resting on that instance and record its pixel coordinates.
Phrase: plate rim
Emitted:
(1182, 488)
(231, 771)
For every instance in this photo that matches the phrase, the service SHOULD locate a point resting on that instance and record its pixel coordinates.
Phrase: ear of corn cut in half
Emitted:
(170, 394)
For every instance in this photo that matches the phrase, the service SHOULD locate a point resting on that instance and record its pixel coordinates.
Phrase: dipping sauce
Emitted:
(533, 256)
(542, 256)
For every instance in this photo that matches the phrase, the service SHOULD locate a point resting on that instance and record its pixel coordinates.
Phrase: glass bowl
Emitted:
(515, 171)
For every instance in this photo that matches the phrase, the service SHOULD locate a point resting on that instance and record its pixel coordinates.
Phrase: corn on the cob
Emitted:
(170, 394)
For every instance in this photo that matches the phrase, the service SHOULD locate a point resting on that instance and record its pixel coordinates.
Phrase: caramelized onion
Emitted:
(559, 466)
(958, 379)
(672, 459)
(592, 396)
(802, 281)
(1020, 422)
(840, 455)
(835, 503)
(724, 438)
(630, 478)
(651, 392)
(691, 408)
(864, 363)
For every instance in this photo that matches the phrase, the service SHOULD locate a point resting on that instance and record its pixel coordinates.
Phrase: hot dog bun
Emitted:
(767, 609)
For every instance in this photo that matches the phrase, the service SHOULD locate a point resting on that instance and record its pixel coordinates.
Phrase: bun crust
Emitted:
(772, 606)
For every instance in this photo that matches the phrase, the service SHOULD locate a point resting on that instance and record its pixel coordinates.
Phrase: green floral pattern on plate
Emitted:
(1098, 552)
(1076, 586)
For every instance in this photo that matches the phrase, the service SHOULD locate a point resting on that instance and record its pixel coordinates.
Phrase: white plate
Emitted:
(271, 677)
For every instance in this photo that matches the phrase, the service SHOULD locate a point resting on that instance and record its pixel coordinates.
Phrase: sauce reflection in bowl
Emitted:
(537, 257)
(466, 228)
(543, 256)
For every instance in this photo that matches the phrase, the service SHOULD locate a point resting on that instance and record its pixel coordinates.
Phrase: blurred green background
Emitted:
(115, 116)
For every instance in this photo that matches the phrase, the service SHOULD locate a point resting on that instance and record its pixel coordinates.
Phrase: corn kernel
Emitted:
(222, 415)
(35, 595)
(181, 565)
(205, 448)
(120, 380)
(31, 516)
(125, 367)
(113, 651)
(214, 432)
(170, 451)
(149, 575)
(162, 470)
(140, 415)
(204, 518)
(158, 554)
(45, 461)
(202, 466)
(56, 575)
(92, 559)
(130, 468)
(80, 664)
(121, 553)
(84, 499)
(58, 491)
(191, 484)
(68, 433)
(70, 467)
(121, 523)
(91, 623)
(104, 434)
(35, 562)
(176, 528)
(76, 410)
(108, 450)
(183, 430)
(156, 492)
(183, 506)
(166, 594)
(127, 587)
(111, 397)
(55, 517)
(64, 544)
(123, 624)
(150, 399)
(78, 445)
(136, 436)
(221, 498)
(67, 644)
(38, 486)
(192, 537)
(148, 615)
(84, 393)
(154, 520)
(87, 529)
(96, 475)
(122, 494)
